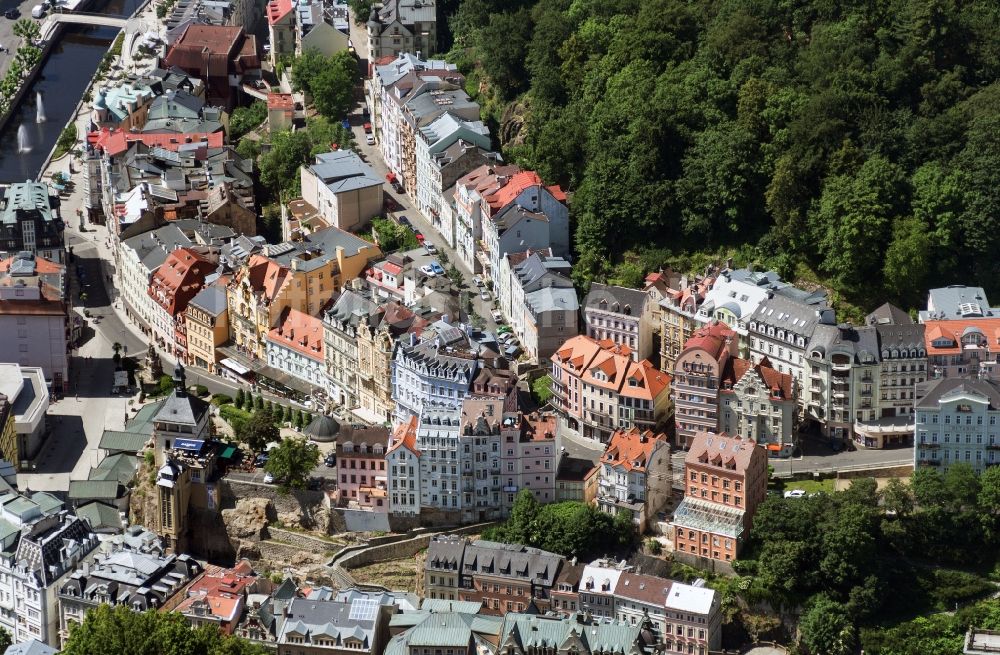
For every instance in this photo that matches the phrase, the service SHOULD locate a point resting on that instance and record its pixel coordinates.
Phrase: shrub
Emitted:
(654, 547)
(220, 399)
(236, 418)
(200, 390)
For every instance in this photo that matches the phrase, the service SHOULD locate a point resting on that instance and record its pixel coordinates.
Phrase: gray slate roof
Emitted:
(861, 343)
(210, 299)
(31, 647)
(343, 170)
(785, 313)
(930, 394)
(634, 298)
(182, 408)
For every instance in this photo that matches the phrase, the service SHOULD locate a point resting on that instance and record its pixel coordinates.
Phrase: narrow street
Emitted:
(373, 156)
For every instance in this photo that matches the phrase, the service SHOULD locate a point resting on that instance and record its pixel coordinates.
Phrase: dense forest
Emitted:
(853, 142)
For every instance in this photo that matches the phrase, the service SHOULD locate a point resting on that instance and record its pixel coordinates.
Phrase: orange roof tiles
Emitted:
(179, 279)
(300, 332)
(512, 188)
(282, 101)
(632, 448)
(278, 9)
(266, 276)
(954, 332)
(405, 434)
(115, 142)
(583, 356)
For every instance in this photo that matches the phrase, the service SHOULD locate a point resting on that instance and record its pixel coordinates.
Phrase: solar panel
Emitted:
(363, 609)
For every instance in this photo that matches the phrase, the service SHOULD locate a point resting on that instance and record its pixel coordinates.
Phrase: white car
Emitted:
(369, 139)
(795, 493)
(497, 316)
(478, 280)
(484, 294)
(268, 478)
(428, 271)
(430, 248)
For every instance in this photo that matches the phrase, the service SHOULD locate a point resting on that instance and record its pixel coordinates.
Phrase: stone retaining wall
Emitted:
(400, 549)
(302, 541)
(296, 500)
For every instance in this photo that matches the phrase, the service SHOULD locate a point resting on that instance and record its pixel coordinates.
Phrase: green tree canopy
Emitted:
(292, 462)
(246, 119)
(120, 630)
(259, 431)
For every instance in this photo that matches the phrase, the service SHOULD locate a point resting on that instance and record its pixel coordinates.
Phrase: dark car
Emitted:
(260, 460)
(330, 461)
(404, 221)
(12, 14)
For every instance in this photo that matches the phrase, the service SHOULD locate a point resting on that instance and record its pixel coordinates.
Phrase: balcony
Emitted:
(993, 446)
(930, 445)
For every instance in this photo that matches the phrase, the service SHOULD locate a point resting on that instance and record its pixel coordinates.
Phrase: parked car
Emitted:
(13, 13)
(346, 124)
(260, 460)
(419, 236)
(484, 294)
(369, 139)
(368, 128)
(437, 268)
(330, 460)
(430, 248)
(498, 317)
(402, 220)
(478, 280)
(795, 493)
(428, 270)
(268, 478)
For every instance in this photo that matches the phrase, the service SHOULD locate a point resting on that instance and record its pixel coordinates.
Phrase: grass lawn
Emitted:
(810, 486)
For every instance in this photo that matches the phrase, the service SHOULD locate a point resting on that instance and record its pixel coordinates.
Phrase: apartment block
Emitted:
(344, 190)
(598, 388)
(180, 277)
(698, 371)
(759, 403)
(503, 577)
(956, 421)
(735, 296)
(621, 315)
(402, 463)
(340, 330)
(675, 315)
(725, 480)
(635, 475)
(31, 222)
(403, 26)
(782, 325)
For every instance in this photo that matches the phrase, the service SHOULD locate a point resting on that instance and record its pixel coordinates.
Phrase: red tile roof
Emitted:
(266, 276)
(512, 188)
(405, 434)
(179, 279)
(949, 334)
(300, 332)
(282, 101)
(278, 9)
(115, 142)
(583, 356)
(631, 448)
(712, 339)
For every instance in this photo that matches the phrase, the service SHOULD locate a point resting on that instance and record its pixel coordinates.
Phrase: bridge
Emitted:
(79, 18)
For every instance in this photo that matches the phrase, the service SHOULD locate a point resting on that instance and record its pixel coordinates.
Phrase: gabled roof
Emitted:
(278, 9)
(405, 436)
(721, 450)
(630, 449)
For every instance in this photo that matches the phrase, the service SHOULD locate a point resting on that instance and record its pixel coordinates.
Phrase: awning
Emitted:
(285, 379)
(227, 452)
(235, 366)
(774, 446)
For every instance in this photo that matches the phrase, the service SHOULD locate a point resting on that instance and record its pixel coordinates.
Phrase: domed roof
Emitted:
(322, 428)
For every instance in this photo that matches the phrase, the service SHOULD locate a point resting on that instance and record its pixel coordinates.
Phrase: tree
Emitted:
(292, 461)
(239, 398)
(259, 431)
(120, 630)
(360, 10)
(306, 68)
(332, 88)
(897, 497)
(286, 414)
(258, 403)
(625, 528)
(827, 628)
(27, 30)
(541, 389)
(5, 640)
(279, 166)
(246, 119)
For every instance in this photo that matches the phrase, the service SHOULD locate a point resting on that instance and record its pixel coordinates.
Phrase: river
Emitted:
(65, 75)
